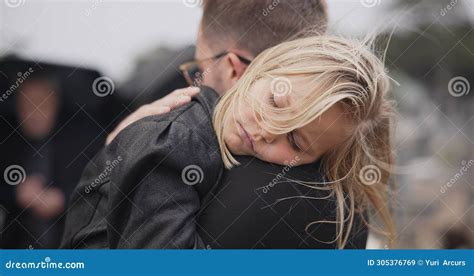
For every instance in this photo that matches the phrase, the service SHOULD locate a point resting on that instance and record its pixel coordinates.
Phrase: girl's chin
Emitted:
(239, 150)
(235, 145)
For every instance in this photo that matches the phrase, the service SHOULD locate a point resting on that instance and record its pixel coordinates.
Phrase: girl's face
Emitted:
(244, 134)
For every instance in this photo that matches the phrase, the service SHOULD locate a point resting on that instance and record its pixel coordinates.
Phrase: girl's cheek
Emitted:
(278, 155)
(248, 117)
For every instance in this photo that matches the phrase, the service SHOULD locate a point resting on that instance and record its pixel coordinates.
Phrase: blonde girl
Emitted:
(321, 97)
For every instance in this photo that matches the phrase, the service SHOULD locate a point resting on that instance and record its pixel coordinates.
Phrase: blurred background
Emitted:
(71, 70)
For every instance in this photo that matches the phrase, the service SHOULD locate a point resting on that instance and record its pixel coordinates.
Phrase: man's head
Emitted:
(246, 28)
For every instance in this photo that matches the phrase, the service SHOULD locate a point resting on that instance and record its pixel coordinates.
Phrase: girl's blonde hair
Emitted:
(337, 71)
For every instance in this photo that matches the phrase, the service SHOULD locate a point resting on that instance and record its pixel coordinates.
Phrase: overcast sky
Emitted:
(109, 35)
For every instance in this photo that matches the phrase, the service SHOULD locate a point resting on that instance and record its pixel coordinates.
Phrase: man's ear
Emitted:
(237, 67)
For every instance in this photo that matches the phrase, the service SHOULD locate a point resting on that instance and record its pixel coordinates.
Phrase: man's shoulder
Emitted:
(175, 143)
(190, 121)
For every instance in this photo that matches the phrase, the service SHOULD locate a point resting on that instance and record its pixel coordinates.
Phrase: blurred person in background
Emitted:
(38, 106)
(42, 153)
(37, 202)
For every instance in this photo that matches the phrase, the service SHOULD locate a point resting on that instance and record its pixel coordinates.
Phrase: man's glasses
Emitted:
(194, 75)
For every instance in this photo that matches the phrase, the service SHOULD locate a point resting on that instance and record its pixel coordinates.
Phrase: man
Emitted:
(138, 213)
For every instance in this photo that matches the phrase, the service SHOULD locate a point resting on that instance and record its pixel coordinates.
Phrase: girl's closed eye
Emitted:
(290, 136)
(292, 140)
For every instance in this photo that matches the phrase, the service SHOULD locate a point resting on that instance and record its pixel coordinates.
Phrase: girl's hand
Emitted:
(171, 101)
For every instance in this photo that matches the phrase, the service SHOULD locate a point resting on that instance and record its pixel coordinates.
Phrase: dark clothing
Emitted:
(135, 193)
(257, 205)
(143, 201)
(82, 121)
(59, 160)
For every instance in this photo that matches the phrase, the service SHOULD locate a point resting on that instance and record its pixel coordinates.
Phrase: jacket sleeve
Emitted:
(85, 225)
(153, 203)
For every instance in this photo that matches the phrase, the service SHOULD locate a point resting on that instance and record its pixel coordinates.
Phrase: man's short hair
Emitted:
(255, 25)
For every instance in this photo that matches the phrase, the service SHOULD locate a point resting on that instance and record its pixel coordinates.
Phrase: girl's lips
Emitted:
(246, 137)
